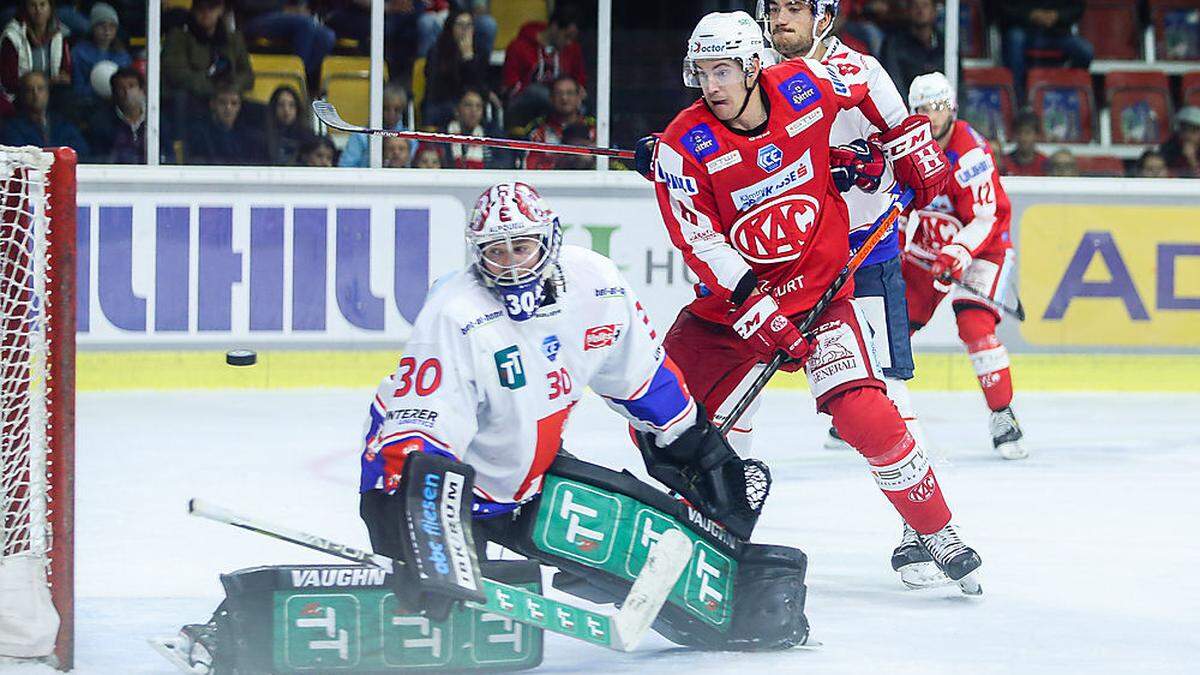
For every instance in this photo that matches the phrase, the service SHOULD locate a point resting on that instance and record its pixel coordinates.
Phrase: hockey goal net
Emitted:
(37, 412)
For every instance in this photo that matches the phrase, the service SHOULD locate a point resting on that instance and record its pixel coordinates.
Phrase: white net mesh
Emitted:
(28, 622)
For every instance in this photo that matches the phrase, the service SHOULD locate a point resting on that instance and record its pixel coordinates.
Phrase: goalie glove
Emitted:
(440, 565)
(859, 164)
(916, 159)
(951, 262)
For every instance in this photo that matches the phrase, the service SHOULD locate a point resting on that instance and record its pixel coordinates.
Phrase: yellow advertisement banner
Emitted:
(1110, 275)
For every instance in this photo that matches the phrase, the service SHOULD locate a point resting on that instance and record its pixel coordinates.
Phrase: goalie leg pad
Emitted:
(768, 610)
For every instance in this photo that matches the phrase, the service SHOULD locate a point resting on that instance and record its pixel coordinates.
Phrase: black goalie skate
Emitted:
(956, 560)
(1007, 434)
(916, 567)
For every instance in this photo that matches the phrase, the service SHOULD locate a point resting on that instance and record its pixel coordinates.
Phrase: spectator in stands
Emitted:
(1152, 164)
(539, 54)
(577, 134)
(224, 137)
(468, 121)
(292, 22)
(453, 64)
(35, 124)
(397, 153)
(428, 157)
(318, 151)
(395, 106)
(288, 126)
(102, 45)
(1025, 160)
(1033, 27)
(914, 47)
(203, 52)
(431, 23)
(863, 21)
(117, 132)
(1062, 163)
(33, 41)
(566, 98)
(1182, 150)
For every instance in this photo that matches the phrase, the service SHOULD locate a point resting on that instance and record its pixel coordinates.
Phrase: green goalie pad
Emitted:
(345, 619)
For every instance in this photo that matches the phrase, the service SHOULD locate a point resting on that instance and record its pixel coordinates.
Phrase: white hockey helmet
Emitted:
(723, 35)
(931, 89)
(820, 9)
(515, 240)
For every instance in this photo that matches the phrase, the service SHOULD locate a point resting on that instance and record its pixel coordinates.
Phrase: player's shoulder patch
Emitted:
(974, 166)
(849, 64)
(700, 141)
(797, 86)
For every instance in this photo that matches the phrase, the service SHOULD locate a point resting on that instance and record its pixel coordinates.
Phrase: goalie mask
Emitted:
(515, 239)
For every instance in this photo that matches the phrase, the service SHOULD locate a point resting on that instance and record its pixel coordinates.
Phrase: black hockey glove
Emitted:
(643, 156)
(702, 467)
(438, 548)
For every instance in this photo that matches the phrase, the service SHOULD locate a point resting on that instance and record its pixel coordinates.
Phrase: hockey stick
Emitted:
(328, 114)
(621, 631)
(1018, 313)
(882, 226)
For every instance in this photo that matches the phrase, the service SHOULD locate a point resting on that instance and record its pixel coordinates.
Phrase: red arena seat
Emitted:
(1063, 100)
(1100, 166)
(989, 100)
(1112, 28)
(1176, 29)
(1140, 106)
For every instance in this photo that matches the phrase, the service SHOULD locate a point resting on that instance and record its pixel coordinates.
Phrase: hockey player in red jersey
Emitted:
(745, 184)
(964, 235)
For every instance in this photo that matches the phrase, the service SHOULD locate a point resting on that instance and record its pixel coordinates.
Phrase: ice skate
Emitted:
(915, 565)
(834, 442)
(956, 560)
(191, 650)
(1007, 434)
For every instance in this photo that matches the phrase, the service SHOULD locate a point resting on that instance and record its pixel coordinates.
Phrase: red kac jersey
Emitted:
(763, 201)
(974, 211)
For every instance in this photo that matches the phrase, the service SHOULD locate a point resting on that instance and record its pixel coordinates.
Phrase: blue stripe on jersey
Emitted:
(886, 249)
(374, 464)
(376, 423)
(663, 401)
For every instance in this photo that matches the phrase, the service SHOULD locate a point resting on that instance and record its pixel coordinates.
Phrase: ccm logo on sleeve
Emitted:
(598, 337)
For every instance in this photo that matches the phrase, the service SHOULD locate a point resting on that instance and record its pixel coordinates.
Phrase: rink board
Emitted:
(324, 271)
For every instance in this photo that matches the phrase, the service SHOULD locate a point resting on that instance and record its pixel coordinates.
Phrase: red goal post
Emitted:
(37, 403)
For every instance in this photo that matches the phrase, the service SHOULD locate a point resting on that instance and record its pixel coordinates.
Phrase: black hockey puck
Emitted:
(241, 357)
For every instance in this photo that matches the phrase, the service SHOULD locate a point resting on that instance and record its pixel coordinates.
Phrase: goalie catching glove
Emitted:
(702, 467)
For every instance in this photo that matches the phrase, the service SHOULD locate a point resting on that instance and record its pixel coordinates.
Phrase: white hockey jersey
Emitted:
(496, 393)
(849, 125)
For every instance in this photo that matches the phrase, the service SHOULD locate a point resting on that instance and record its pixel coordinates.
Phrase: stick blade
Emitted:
(665, 563)
(328, 114)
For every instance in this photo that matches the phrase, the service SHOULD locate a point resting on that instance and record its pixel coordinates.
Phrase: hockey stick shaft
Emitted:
(882, 226)
(1018, 313)
(621, 631)
(329, 115)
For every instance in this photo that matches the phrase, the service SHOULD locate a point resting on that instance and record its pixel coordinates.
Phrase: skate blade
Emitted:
(918, 576)
(970, 585)
(1013, 450)
(172, 649)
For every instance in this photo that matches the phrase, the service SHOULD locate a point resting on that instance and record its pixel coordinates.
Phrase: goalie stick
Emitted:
(1017, 313)
(328, 114)
(882, 225)
(621, 631)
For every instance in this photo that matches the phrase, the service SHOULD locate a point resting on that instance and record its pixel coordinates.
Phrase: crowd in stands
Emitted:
(72, 72)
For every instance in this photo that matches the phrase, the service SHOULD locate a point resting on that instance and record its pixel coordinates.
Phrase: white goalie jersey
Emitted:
(496, 393)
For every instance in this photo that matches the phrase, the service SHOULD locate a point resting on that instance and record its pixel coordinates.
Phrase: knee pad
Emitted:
(975, 324)
(867, 419)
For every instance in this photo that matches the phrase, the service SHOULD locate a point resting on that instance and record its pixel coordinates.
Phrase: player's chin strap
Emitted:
(818, 38)
(749, 92)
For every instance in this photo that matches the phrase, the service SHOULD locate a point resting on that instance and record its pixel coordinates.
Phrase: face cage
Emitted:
(514, 275)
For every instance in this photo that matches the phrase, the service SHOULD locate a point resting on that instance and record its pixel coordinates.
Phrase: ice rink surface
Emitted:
(1089, 546)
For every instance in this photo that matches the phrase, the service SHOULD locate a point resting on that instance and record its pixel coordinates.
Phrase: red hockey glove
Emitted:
(643, 156)
(760, 321)
(951, 262)
(916, 159)
(859, 163)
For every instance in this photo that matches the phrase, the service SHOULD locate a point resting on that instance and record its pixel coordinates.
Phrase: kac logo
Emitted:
(776, 230)
(550, 347)
(509, 368)
(770, 158)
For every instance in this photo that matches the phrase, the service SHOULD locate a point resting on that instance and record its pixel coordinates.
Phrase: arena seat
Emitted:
(274, 70)
(989, 100)
(1140, 106)
(1176, 29)
(972, 31)
(1113, 29)
(346, 81)
(1190, 88)
(1101, 165)
(510, 15)
(1063, 100)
